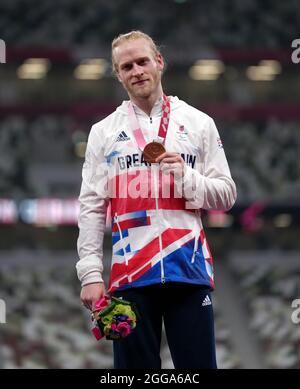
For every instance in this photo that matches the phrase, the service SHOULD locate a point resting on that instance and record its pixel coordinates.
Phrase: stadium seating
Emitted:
(47, 327)
(246, 24)
(269, 282)
(263, 156)
(44, 128)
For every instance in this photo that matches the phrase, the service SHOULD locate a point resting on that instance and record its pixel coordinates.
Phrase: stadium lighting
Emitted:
(283, 220)
(33, 68)
(80, 148)
(49, 212)
(8, 211)
(79, 139)
(91, 69)
(206, 69)
(266, 70)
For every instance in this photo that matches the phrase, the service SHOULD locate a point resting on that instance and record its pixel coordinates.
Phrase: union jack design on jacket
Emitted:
(157, 233)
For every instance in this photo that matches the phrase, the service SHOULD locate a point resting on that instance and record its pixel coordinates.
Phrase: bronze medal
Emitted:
(152, 151)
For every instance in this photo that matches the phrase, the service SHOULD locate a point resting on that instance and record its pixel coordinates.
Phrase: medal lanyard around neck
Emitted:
(163, 126)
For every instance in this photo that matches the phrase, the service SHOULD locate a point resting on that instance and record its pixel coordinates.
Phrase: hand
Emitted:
(91, 293)
(171, 163)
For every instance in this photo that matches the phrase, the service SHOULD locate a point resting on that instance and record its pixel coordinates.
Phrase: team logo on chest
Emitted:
(122, 137)
(182, 133)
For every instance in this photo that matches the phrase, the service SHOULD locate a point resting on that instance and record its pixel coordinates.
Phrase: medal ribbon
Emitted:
(163, 126)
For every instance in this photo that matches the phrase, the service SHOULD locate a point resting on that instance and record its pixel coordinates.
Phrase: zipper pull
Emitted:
(150, 119)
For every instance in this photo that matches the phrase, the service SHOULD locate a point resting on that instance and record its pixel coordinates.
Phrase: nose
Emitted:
(137, 70)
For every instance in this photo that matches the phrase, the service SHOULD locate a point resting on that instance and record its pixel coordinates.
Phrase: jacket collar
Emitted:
(156, 109)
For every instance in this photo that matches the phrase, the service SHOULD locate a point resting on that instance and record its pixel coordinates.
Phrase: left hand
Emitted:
(171, 163)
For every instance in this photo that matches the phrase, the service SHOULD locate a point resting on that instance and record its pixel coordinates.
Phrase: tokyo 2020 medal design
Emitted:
(152, 151)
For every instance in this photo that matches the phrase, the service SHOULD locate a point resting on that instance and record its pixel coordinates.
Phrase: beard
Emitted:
(145, 90)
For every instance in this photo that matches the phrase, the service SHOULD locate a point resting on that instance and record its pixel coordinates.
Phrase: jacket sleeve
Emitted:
(210, 185)
(93, 200)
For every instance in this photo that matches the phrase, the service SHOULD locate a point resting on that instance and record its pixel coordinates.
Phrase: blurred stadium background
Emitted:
(229, 58)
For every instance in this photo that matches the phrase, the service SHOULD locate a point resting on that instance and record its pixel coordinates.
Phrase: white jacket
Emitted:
(157, 234)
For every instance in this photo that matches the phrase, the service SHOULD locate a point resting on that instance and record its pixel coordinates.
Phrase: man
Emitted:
(161, 259)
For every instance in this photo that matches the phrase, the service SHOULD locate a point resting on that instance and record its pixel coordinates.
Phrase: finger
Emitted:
(169, 167)
(93, 305)
(171, 160)
(168, 171)
(160, 157)
(174, 168)
(165, 166)
(87, 304)
(165, 155)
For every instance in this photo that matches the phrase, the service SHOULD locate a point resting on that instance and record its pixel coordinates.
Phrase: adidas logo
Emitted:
(122, 136)
(206, 301)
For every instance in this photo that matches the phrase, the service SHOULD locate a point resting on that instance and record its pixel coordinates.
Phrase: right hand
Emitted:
(91, 293)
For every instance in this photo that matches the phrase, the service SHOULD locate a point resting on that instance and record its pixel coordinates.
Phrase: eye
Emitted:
(142, 62)
(127, 67)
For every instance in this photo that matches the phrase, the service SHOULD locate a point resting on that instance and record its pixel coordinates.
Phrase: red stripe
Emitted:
(151, 249)
(137, 262)
(118, 270)
(123, 201)
(117, 284)
(204, 242)
(171, 235)
(122, 206)
(141, 272)
(131, 223)
(143, 256)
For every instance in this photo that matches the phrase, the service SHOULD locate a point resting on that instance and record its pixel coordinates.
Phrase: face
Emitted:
(138, 68)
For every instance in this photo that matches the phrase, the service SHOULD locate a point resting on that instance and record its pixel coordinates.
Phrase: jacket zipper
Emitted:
(195, 248)
(156, 184)
(159, 233)
(121, 237)
(196, 241)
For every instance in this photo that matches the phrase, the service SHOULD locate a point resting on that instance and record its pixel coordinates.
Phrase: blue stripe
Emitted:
(116, 236)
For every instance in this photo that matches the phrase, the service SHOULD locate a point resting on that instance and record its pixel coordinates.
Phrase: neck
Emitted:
(146, 103)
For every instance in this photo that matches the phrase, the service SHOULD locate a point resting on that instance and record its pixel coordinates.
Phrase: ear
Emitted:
(160, 62)
(116, 71)
(118, 76)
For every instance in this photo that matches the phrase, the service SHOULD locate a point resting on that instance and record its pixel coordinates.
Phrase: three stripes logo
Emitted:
(206, 301)
(122, 137)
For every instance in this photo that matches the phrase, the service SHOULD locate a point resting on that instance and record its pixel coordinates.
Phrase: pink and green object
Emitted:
(115, 319)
